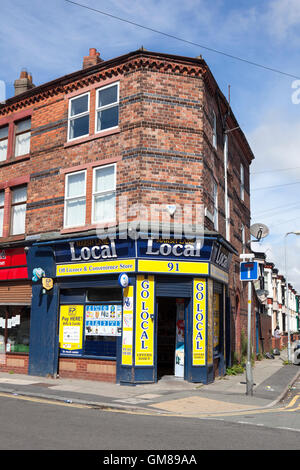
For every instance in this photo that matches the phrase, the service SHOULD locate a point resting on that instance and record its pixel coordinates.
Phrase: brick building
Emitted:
(86, 162)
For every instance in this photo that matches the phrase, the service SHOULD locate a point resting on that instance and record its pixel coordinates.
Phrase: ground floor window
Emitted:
(14, 329)
(90, 326)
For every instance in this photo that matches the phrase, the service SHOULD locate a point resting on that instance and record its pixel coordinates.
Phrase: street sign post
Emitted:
(249, 271)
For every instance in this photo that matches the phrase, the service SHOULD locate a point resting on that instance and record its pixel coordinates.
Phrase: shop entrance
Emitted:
(170, 337)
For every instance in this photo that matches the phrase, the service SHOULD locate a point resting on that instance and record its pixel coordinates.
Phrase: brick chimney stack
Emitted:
(92, 59)
(24, 83)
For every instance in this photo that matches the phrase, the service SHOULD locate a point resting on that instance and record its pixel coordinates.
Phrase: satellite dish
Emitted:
(259, 231)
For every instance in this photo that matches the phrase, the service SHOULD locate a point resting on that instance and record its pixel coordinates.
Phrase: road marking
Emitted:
(43, 400)
(293, 401)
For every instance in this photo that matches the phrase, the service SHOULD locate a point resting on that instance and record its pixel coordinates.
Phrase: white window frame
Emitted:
(214, 138)
(103, 108)
(2, 207)
(243, 237)
(2, 139)
(216, 210)
(18, 133)
(77, 197)
(242, 187)
(16, 204)
(94, 194)
(72, 118)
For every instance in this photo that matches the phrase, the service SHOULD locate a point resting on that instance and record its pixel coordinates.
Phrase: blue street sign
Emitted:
(249, 271)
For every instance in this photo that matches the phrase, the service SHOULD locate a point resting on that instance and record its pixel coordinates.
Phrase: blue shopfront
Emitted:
(130, 310)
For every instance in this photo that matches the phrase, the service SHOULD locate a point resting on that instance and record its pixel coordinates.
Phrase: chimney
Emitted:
(92, 59)
(24, 83)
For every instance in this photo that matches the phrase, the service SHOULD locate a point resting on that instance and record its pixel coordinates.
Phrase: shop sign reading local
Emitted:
(105, 251)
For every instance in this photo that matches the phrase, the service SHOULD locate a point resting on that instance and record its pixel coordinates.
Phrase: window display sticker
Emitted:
(103, 320)
(70, 329)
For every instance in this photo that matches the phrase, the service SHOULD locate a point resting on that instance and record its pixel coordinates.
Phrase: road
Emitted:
(28, 423)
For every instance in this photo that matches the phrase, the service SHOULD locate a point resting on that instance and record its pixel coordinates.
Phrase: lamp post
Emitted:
(287, 294)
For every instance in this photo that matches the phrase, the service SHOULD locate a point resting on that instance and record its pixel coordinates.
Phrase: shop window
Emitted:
(79, 116)
(109, 294)
(102, 326)
(107, 107)
(22, 137)
(104, 193)
(18, 210)
(94, 325)
(3, 142)
(75, 199)
(14, 329)
(1, 212)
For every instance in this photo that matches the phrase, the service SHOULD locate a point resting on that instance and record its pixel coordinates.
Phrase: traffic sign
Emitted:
(249, 271)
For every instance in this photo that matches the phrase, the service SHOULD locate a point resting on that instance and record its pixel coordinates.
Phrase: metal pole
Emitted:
(249, 377)
(287, 301)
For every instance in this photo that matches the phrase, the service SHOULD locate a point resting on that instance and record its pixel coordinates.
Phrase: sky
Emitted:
(49, 39)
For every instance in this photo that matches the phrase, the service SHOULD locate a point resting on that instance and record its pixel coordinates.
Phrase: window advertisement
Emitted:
(144, 336)
(71, 329)
(103, 320)
(216, 322)
(199, 322)
(127, 339)
(179, 350)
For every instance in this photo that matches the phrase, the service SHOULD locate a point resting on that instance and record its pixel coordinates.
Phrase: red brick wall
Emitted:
(17, 363)
(87, 369)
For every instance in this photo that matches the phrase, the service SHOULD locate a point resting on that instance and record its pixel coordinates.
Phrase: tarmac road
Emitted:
(29, 423)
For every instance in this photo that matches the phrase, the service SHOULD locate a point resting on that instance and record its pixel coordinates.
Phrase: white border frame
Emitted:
(104, 192)
(111, 105)
(77, 197)
(78, 116)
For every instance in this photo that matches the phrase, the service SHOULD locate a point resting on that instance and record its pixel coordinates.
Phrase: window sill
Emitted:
(12, 238)
(98, 135)
(12, 160)
(85, 228)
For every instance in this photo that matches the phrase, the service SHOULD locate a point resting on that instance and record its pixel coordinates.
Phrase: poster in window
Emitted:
(103, 320)
(70, 329)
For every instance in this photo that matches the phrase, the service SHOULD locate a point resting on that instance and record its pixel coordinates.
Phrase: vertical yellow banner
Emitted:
(199, 322)
(210, 316)
(144, 332)
(127, 330)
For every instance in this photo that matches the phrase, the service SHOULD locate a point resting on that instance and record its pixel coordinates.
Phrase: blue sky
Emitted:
(49, 39)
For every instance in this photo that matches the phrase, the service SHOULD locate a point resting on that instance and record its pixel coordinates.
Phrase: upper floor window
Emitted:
(22, 137)
(97, 205)
(104, 193)
(242, 187)
(18, 210)
(107, 107)
(214, 141)
(3, 142)
(215, 196)
(79, 116)
(1, 212)
(75, 199)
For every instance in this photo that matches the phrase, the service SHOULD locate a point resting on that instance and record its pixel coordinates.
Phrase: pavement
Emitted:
(170, 396)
